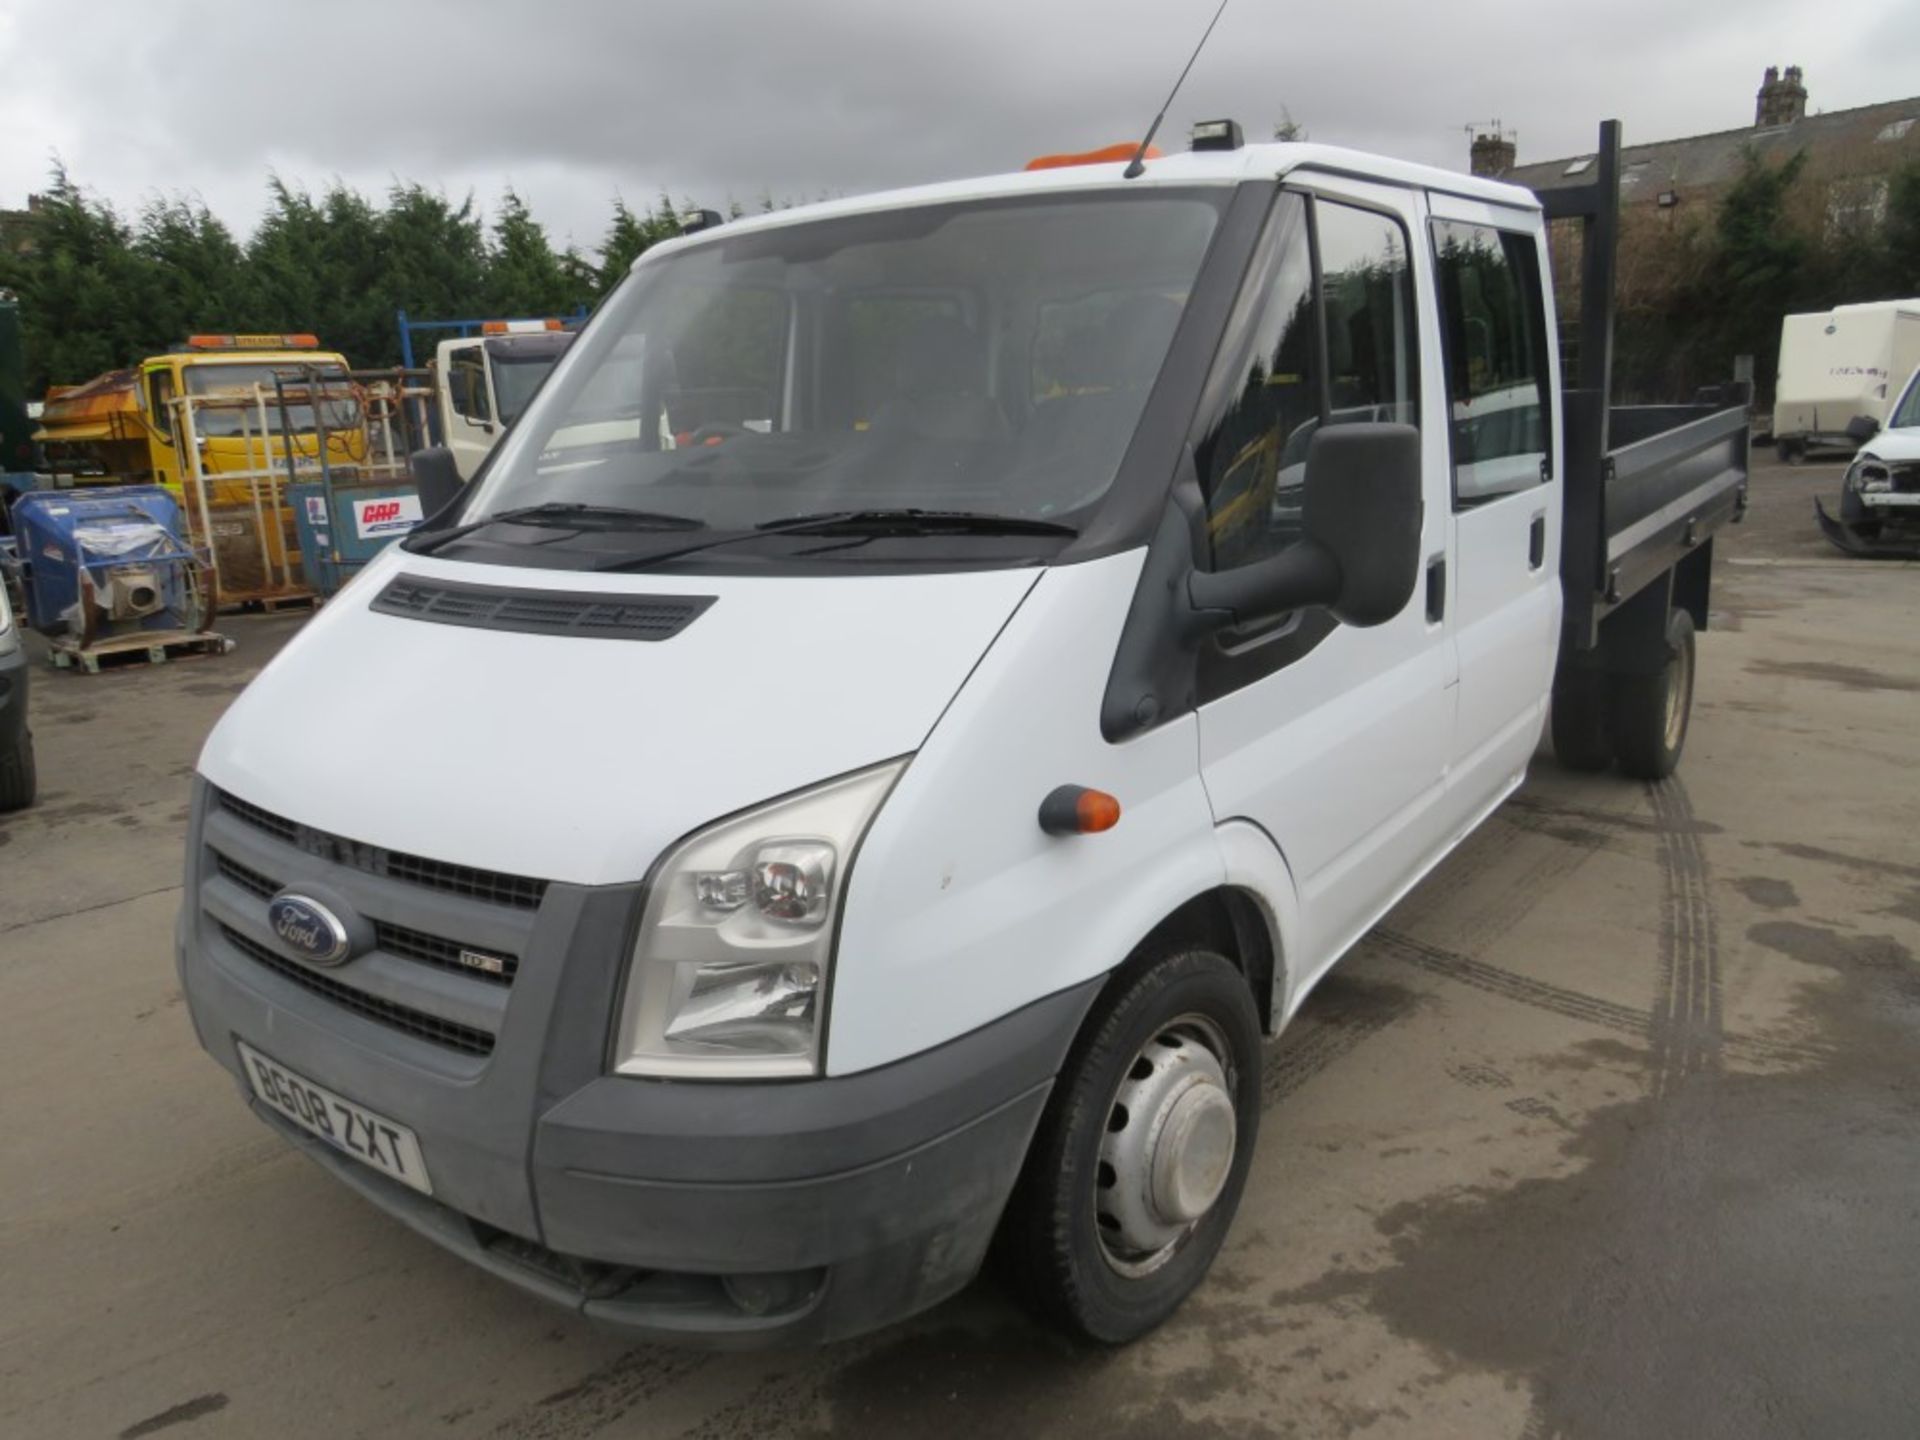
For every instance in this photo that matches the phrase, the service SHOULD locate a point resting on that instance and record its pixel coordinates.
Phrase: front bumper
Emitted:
(1877, 532)
(723, 1213)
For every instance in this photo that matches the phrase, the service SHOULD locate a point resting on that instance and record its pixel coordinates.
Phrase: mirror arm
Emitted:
(1305, 573)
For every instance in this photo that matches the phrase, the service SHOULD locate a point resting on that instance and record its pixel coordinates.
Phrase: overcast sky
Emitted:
(571, 101)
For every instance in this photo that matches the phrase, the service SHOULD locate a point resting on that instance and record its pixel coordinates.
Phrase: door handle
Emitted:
(1537, 542)
(1436, 589)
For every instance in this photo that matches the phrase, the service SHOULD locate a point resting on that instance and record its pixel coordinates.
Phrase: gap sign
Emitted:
(389, 515)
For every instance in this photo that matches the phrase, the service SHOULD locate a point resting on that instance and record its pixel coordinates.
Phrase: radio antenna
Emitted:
(1136, 166)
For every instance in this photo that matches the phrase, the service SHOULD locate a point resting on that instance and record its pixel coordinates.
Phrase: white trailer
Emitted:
(1837, 366)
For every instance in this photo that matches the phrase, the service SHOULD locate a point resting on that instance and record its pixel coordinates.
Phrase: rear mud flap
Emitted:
(1868, 544)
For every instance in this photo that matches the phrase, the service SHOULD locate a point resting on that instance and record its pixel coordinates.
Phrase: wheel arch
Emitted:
(1250, 917)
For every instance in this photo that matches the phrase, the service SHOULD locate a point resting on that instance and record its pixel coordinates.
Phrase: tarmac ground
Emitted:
(1611, 1128)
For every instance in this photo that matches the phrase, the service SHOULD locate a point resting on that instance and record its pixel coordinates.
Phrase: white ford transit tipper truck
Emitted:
(877, 797)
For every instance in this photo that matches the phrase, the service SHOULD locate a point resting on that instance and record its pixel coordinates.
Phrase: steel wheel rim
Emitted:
(1168, 1148)
(1679, 682)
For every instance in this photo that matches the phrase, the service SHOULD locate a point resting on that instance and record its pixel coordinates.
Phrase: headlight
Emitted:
(1867, 476)
(728, 976)
(9, 636)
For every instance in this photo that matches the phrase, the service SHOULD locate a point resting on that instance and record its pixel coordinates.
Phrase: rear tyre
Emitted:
(1136, 1170)
(1792, 452)
(1649, 714)
(1581, 738)
(17, 779)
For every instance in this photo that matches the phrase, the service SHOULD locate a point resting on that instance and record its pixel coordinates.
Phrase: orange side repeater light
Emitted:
(1107, 154)
(1076, 810)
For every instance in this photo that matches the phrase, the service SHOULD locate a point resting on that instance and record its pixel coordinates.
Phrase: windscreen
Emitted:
(1906, 415)
(520, 363)
(992, 357)
(340, 410)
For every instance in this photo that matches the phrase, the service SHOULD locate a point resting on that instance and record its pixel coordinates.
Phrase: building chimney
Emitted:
(1493, 155)
(1782, 99)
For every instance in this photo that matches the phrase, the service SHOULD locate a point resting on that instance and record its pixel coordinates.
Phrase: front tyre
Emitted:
(1137, 1167)
(16, 773)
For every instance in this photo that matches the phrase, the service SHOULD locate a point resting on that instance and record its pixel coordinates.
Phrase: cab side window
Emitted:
(160, 403)
(467, 385)
(1324, 334)
(1493, 327)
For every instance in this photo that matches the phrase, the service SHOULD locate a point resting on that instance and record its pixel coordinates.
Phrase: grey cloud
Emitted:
(571, 102)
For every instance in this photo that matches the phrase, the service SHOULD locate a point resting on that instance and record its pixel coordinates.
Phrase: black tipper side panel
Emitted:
(589, 614)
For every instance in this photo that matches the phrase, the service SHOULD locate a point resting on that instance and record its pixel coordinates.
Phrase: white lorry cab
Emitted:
(875, 793)
(482, 382)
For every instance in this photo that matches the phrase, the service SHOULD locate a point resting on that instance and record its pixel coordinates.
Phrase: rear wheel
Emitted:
(1650, 712)
(1579, 717)
(17, 780)
(1139, 1161)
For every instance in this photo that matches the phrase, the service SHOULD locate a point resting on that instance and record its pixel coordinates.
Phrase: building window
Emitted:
(1856, 204)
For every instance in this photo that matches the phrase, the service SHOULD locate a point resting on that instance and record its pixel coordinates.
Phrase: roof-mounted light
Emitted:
(1217, 135)
(1106, 155)
(520, 327)
(693, 222)
(253, 342)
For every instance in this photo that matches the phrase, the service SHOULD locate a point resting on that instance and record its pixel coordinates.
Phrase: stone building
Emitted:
(1851, 155)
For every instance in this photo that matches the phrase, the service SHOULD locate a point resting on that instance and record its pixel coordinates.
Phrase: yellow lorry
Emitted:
(251, 408)
(125, 426)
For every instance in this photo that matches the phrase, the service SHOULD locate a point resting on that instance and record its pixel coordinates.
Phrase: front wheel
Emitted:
(16, 773)
(1139, 1161)
(1650, 712)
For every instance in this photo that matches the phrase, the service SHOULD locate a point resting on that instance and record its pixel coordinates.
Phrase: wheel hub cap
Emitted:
(1168, 1149)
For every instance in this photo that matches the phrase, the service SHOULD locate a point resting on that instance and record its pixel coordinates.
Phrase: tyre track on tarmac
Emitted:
(1685, 1026)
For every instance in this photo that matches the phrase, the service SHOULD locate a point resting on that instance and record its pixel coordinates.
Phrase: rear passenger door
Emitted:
(1500, 375)
(1332, 738)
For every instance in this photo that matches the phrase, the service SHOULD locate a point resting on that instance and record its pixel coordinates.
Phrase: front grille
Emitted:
(260, 819)
(540, 612)
(431, 1028)
(1904, 478)
(443, 953)
(249, 880)
(401, 940)
(496, 888)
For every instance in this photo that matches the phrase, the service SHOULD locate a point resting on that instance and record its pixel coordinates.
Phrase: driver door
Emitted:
(1334, 739)
(467, 410)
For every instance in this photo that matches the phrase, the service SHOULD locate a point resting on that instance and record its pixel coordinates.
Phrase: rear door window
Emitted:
(1493, 328)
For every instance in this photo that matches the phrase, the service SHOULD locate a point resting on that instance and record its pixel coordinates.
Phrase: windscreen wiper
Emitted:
(559, 511)
(905, 521)
(911, 521)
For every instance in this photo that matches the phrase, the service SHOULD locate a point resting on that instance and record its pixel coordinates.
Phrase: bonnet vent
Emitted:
(589, 614)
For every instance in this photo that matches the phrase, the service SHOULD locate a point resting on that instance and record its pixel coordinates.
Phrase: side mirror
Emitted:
(1862, 428)
(437, 479)
(1360, 555)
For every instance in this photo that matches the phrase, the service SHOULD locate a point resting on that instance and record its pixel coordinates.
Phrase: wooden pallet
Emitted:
(267, 604)
(148, 647)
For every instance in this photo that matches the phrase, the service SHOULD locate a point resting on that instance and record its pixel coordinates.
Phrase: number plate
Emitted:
(370, 1138)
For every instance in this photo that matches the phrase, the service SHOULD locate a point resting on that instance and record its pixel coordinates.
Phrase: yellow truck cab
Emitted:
(226, 422)
(124, 426)
(240, 425)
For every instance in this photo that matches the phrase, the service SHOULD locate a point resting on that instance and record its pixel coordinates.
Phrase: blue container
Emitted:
(126, 539)
(344, 524)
